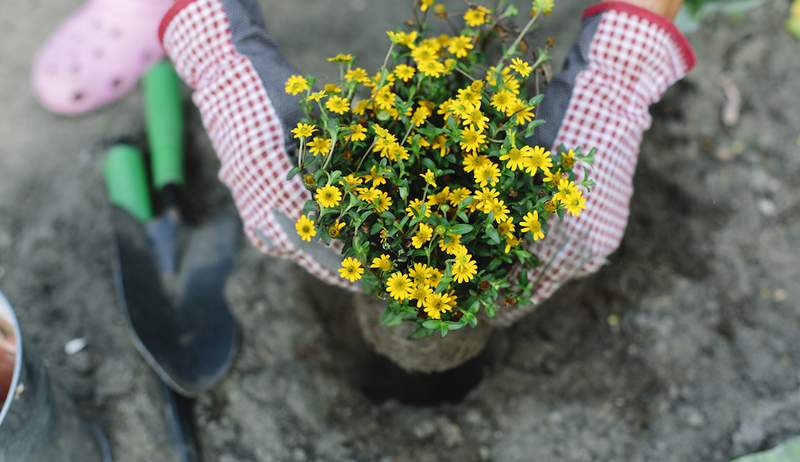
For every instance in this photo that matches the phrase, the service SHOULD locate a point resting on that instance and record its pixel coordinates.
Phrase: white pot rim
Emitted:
(7, 312)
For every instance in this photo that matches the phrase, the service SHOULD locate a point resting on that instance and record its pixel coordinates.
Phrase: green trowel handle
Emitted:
(126, 181)
(163, 103)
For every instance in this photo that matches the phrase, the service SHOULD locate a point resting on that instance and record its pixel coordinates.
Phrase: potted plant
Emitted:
(421, 175)
(38, 422)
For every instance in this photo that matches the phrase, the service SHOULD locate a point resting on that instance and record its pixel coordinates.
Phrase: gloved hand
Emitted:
(625, 58)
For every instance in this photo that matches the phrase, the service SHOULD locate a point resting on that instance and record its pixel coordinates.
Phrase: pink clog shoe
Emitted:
(98, 54)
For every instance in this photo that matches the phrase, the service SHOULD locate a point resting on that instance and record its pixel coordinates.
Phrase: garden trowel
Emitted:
(172, 294)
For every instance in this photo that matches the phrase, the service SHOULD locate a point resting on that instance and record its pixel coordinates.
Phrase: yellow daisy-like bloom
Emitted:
(425, 4)
(382, 263)
(460, 46)
(432, 68)
(487, 174)
(551, 207)
(440, 144)
(303, 130)
(337, 104)
(472, 140)
(305, 228)
(341, 58)
(475, 17)
(320, 146)
(473, 161)
(476, 119)
(440, 9)
(297, 84)
(351, 269)
(575, 203)
(522, 67)
(429, 177)
(357, 132)
(368, 195)
(406, 39)
(484, 197)
(420, 116)
(458, 195)
(503, 100)
(422, 273)
(498, 208)
(357, 75)
(316, 96)
(531, 224)
(451, 244)
(404, 72)
(336, 228)
(382, 202)
(521, 112)
(332, 89)
(436, 304)
(424, 234)
(568, 159)
(552, 177)
(515, 159)
(424, 53)
(511, 242)
(375, 176)
(439, 198)
(360, 107)
(537, 158)
(399, 286)
(414, 208)
(507, 227)
(328, 196)
(384, 98)
(420, 293)
(464, 268)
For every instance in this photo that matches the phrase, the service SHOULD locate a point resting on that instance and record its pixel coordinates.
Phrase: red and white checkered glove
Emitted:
(624, 60)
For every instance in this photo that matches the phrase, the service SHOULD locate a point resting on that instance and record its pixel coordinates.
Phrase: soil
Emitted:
(683, 348)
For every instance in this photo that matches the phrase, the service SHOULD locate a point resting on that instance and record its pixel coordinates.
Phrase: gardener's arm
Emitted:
(627, 55)
(222, 51)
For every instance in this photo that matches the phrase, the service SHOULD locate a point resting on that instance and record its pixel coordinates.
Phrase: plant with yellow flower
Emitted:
(422, 173)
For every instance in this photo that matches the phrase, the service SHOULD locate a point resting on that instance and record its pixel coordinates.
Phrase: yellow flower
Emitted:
(303, 130)
(420, 116)
(341, 58)
(422, 274)
(521, 111)
(332, 88)
(297, 84)
(484, 197)
(475, 17)
(369, 195)
(404, 72)
(568, 158)
(328, 196)
(506, 227)
(458, 195)
(420, 293)
(451, 244)
(384, 98)
(375, 176)
(424, 53)
(487, 173)
(439, 198)
(414, 207)
(498, 208)
(460, 46)
(337, 104)
(429, 178)
(424, 234)
(382, 263)
(382, 202)
(503, 100)
(530, 224)
(316, 96)
(476, 119)
(473, 161)
(537, 158)
(552, 177)
(511, 242)
(439, 9)
(399, 286)
(436, 304)
(357, 75)
(305, 228)
(351, 269)
(575, 203)
(320, 146)
(440, 143)
(403, 38)
(464, 268)
(522, 67)
(357, 132)
(472, 140)
(544, 7)
(336, 228)
(515, 159)
(425, 4)
(432, 68)
(360, 107)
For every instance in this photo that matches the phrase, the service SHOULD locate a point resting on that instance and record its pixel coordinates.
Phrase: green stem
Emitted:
(513, 48)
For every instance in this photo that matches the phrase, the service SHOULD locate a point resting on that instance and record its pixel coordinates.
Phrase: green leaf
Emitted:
(461, 229)
(491, 233)
(292, 173)
(432, 324)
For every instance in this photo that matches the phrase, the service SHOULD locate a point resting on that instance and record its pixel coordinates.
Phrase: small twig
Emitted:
(512, 49)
